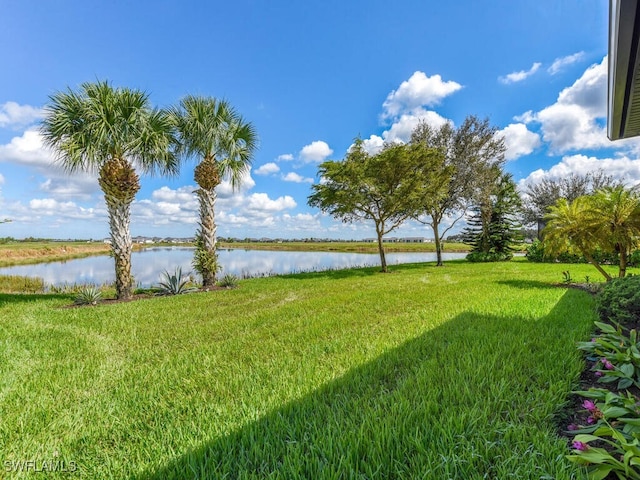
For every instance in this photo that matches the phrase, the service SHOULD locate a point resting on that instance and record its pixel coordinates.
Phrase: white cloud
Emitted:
(559, 63)
(401, 129)
(52, 207)
(315, 152)
(372, 145)
(519, 140)
(268, 169)
(285, 157)
(1, 179)
(577, 120)
(418, 91)
(18, 116)
(623, 168)
(260, 202)
(521, 75)
(28, 150)
(225, 190)
(295, 178)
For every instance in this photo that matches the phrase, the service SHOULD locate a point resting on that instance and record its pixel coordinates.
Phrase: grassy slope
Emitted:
(427, 372)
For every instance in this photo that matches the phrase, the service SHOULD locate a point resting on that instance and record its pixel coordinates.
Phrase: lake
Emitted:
(149, 264)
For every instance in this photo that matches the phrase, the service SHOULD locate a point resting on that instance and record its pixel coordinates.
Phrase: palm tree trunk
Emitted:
(593, 262)
(206, 261)
(120, 183)
(121, 244)
(623, 263)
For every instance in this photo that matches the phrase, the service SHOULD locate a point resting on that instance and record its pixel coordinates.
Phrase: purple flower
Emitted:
(589, 405)
(607, 364)
(572, 426)
(580, 446)
(598, 374)
(591, 420)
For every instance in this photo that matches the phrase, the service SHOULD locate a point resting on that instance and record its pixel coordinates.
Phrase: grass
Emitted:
(23, 253)
(19, 284)
(426, 372)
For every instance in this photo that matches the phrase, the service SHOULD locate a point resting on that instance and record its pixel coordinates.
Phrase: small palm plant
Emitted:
(229, 281)
(176, 283)
(88, 295)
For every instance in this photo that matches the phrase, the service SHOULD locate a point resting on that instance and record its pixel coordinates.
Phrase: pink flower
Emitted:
(591, 420)
(589, 405)
(572, 426)
(607, 364)
(580, 446)
(598, 374)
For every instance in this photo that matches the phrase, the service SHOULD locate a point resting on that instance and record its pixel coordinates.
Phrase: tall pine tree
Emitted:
(493, 228)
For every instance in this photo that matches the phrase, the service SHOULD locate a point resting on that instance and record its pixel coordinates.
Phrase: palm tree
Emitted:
(616, 214)
(111, 132)
(212, 131)
(572, 225)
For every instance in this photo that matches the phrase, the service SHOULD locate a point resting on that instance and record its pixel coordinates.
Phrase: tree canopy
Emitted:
(382, 188)
(473, 157)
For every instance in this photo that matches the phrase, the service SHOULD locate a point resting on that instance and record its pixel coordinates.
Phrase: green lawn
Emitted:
(426, 372)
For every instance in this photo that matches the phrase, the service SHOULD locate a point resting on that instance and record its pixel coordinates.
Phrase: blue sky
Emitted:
(311, 76)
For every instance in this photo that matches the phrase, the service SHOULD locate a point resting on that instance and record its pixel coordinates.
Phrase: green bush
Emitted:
(489, 257)
(619, 300)
(535, 253)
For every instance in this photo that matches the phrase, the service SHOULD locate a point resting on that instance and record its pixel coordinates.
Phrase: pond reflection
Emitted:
(149, 264)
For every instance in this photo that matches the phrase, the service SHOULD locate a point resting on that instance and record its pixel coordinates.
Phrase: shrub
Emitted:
(535, 252)
(229, 281)
(489, 257)
(176, 283)
(88, 295)
(619, 300)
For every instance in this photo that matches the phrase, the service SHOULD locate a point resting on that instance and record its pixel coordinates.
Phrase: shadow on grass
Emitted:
(455, 402)
(527, 284)
(7, 298)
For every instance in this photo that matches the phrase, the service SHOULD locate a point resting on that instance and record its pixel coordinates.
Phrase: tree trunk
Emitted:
(383, 259)
(120, 183)
(436, 239)
(593, 262)
(623, 263)
(121, 244)
(206, 261)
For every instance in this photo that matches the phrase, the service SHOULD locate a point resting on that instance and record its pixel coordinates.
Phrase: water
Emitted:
(149, 264)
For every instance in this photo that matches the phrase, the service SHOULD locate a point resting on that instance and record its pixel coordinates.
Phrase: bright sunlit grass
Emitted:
(426, 372)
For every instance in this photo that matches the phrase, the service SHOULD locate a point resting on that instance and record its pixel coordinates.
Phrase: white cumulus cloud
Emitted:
(623, 168)
(419, 90)
(315, 152)
(519, 140)
(559, 63)
(15, 115)
(260, 202)
(296, 178)
(576, 121)
(285, 157)
(521, 75)
(267, 169)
